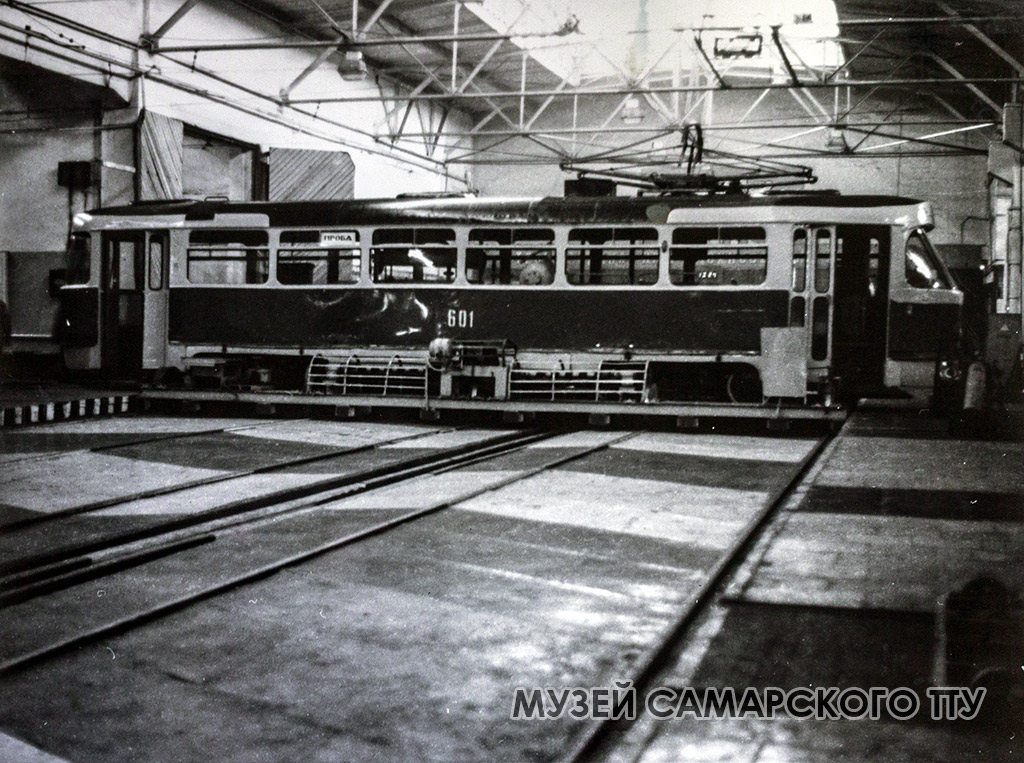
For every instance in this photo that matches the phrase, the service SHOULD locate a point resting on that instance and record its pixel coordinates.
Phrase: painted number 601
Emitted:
(461, 318)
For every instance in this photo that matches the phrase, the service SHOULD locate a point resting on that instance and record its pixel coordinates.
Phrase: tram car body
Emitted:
(791, 301)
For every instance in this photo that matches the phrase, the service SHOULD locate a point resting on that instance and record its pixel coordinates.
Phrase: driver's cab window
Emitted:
(923, 269)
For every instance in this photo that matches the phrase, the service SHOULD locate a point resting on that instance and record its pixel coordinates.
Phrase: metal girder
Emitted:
(795, 94)
(374, 17)
(867, 134)
(846, 64)
(543, 107)
(724, 127)
(666, 89)
(365, 42)
(985, 39)
(637, 83)
(313, 66)
(484, 60)
(446, 93)
(785, 58)
(919, 20)
(150, 41)
(863, 99)
(928, 139)
(945, 104)
(968, 83)
(401, 102)
(700, 49)
(923, 140)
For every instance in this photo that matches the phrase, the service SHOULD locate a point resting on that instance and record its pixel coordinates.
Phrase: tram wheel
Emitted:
(744, 386)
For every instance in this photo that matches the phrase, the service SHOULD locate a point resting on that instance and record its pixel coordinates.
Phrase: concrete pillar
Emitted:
(1012, 135)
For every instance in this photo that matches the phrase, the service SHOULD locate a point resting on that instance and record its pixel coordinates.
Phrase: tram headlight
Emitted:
(949, 370)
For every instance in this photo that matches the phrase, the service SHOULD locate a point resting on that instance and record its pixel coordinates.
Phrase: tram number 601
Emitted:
(461, 318)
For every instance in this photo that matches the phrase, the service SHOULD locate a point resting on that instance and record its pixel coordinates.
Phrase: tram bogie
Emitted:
(798, 300)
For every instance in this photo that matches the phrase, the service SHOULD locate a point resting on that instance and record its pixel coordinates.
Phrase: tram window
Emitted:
(874, 269)
(228, 257)
(318, 257)
(420, 255)
(156, 263)
(923, 269)
(799, 259)
(130, 268)
(79, 259)
(511, 256)
(822, 260)
(718, 256)
(612, 256)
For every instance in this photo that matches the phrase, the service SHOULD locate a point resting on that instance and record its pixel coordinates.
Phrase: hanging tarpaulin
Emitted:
(310, 174)
(161, 155)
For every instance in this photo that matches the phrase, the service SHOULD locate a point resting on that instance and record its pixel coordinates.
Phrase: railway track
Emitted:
(178, 487)
(597, 738)
(28, 575)
(35, 634)
(120, 557)
(122, 441)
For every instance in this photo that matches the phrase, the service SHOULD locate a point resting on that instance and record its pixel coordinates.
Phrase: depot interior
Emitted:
(107, 102)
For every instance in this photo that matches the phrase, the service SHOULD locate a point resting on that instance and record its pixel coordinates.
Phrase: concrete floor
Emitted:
(406, 646)
(409, 645)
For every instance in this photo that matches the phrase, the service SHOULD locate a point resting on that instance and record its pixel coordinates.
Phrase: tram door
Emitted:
(861, 307)
(811, 293)
(154, 332)
(121, 303)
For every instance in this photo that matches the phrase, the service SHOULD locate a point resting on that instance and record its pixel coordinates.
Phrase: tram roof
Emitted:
(488, 211)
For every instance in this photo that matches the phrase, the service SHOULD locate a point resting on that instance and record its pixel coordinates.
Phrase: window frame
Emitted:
(451, 246)
(79, 265)
(346, 251)
(576, 252)
(740, 248)
(943, 280)
(216, 252)
(540, 250)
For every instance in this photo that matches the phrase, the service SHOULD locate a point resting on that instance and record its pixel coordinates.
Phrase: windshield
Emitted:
(78, 259)
(924, 271)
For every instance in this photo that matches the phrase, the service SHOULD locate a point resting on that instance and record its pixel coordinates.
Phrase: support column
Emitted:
(1014, 245)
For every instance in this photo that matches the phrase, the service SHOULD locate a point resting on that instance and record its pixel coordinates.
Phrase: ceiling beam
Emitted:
(150, 41)
(958, 79)
(986, 40)
(970, 84)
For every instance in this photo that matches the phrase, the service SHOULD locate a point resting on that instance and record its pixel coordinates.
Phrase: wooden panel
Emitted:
(161, 155)
(308, 174)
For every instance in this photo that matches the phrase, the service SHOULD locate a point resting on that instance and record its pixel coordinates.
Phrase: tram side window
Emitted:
(129, 273)
(79, 259)
(511, 256)
(822, 260)
(156, 263)
(728, 256)
(418, 255)
(228, 257)
(612, 256)
(318, 257)
(923, 269)
(799, 259)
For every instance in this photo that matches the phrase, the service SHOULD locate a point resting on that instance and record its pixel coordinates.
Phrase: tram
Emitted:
(795, 300)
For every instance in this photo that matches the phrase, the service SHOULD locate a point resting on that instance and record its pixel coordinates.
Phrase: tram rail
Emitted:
(27, 576)
(16, 661)
(598, 735)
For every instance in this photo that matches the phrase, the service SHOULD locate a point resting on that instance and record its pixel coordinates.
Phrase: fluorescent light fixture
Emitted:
(352, 67)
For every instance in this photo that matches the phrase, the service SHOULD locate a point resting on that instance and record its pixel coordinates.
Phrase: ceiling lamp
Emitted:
(632, 114)
(352, 67)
